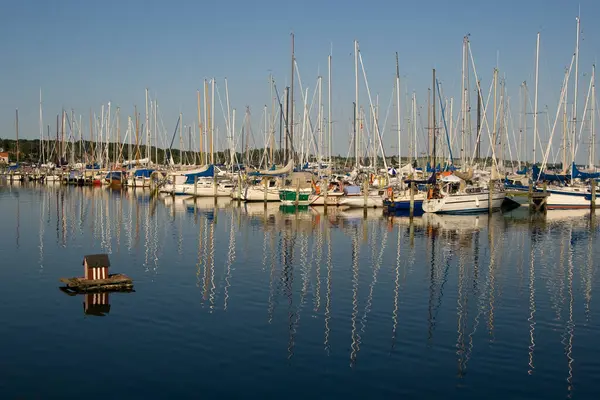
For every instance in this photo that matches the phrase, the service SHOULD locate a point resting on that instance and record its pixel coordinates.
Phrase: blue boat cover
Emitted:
(143, 173)
(209, 173)
(584, 175)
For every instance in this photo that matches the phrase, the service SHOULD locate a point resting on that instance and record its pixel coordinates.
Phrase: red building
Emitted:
(96, 266)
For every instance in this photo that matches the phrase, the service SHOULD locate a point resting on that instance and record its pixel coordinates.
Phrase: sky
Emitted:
(83, 54)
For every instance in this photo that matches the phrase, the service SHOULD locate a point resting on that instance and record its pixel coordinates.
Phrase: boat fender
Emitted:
(430, 194)
(476, 201)
(390, 193)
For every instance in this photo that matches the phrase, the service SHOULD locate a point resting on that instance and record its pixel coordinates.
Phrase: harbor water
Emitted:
(242, 300)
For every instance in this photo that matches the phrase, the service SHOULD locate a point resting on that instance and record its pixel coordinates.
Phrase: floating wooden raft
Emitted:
(114, 282)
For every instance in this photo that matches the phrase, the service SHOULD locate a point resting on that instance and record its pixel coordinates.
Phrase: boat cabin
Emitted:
(95, 266)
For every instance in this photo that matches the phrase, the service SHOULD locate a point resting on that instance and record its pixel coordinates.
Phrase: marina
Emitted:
(362, 201)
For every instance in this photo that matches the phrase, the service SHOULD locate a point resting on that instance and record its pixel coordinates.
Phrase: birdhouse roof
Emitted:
(97, 260)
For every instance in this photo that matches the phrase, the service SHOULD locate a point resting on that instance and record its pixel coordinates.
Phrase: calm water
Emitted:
(246, 302)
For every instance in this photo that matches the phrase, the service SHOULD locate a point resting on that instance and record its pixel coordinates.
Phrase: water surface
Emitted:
(240, 301)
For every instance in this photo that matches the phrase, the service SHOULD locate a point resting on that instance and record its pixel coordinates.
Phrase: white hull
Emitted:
(359, 201)
(199, 191)
(319, 199)
(138, 182)
(463, 203)
(567, 201)
(255, 193)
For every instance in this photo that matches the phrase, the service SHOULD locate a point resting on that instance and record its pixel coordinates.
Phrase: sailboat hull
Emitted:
(463, 203)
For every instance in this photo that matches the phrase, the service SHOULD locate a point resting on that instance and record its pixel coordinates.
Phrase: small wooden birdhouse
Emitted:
(96, 304)
(95, 266)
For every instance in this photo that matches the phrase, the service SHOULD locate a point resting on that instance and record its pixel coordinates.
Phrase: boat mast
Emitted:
(92, 139)
(199, 127)
(17, 132)
(291, 99)
(433, 120)
(41, 131)
(535, 96)
(478, 144)
(575, 93)
(155, 112)
(565, 166)
(429, 127)
(329, 121)
(212, 121)
(592, 122)
(463, 106)
(148, 154)
(398, 107)
(414, 127)
(118, 144)
(356, 147)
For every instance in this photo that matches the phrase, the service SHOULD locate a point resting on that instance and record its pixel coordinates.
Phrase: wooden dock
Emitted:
(536, 199)
(114, 282)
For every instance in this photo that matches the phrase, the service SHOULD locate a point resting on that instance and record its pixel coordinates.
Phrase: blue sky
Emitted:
(84, 54)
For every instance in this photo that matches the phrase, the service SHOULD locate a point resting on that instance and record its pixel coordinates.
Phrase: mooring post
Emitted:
(593, 187)
(195, 188)
(215, 186)
(297, 193)
(366, 192)
(239, 185)
(326, 195)
(265, 194)
(412, 198)
(530, 195)
(490, 196)
(544, 201)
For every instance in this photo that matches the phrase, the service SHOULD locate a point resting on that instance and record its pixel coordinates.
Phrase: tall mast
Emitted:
(62, 138)
(180, 139)
(320, 123)
(286, 106)
(92, 139)
(354, 128)
(565, 165)
(130, 150)
(118, 144)
(463, 107)
(200, 127)
(398, 107)
(429, 127)
(535, 96)
(592, 122)
(478, 144)
(212, 122)
(17, 131)
(575, 94)
(137, 132)
(414, 127)
(494, 131)
(155, 112)
(291, 99)
(522, 138)
(41, 131)
(356, 122)
(206, 127)
(329, 122)
(434, 121)
(147, 128)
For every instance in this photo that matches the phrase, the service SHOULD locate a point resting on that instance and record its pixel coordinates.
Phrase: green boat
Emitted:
(296, 189)
(287, 196)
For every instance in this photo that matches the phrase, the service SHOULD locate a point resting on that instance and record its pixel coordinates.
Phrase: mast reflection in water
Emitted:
(230, 296)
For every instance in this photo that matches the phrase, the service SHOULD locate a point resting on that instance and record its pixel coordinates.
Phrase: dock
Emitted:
(114, 282)
(536, 199)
